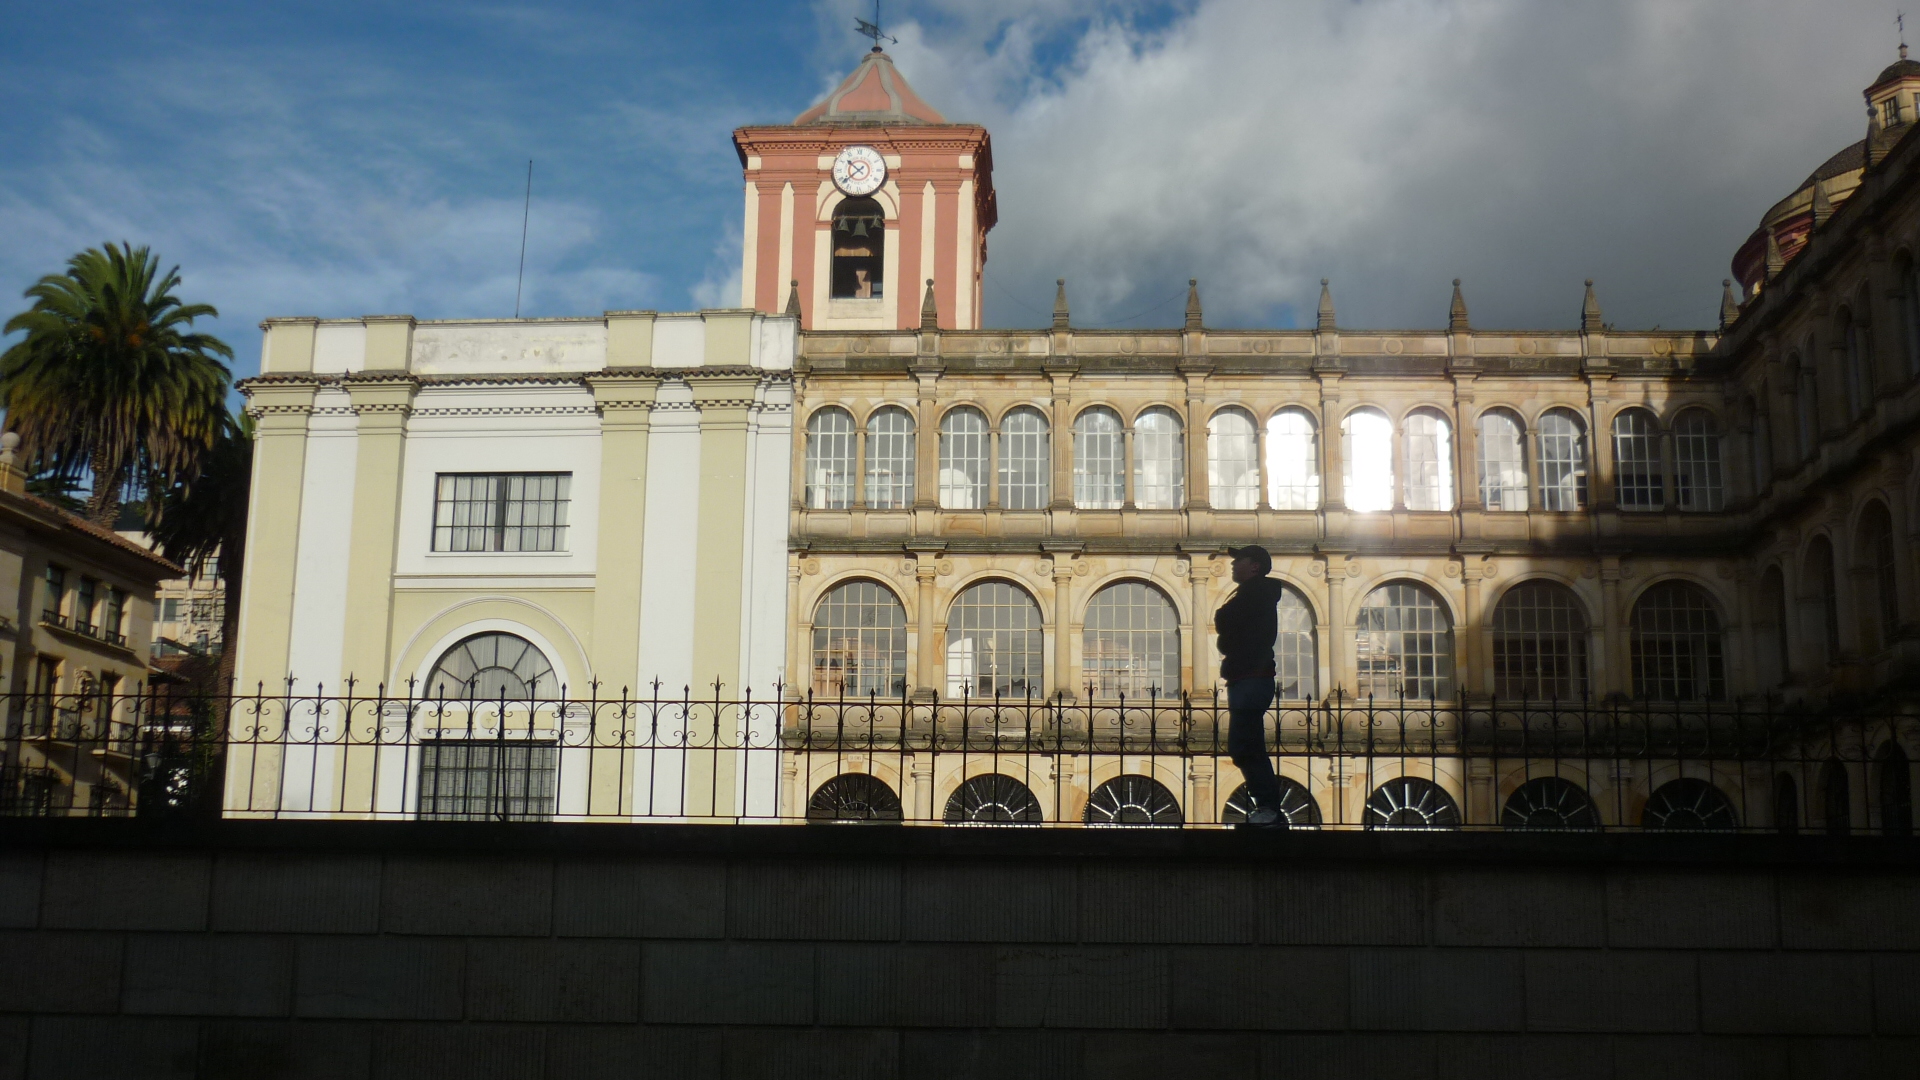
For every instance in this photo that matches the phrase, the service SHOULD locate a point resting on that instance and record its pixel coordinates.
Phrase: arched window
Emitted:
(859, 250)
(1503, 462)
(1762, 447)
(1540, 643)
(1366, 446)
(1409, 802)
(1696, 467)
(1910, 305)
(963, 459)
(1821, 594)
(492, 666)
(1403, 644)
(1806, 403)
(829, 462)
(1429, 443)
(1562, 446)
(1549, 802)
(854, 797)
(994, 643)
(1293, 461)
(1675, 645)
(992, 799)
(1637, 463)
(1688, 803)
(1099, 460)
(1859, 363)
(1295, 665)
(890, 459)
(1297, 805)
(1836, 798)
(1159, 461)
(1132, 800)
(1771, 627)
(1026, 465)
(1895, 774)
(1233, 462)
(859, 642)
(1132, 642)
(1879, 600)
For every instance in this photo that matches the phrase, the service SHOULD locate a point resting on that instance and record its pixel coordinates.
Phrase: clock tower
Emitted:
(862, 200)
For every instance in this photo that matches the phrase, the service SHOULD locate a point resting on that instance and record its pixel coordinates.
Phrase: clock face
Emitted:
(859, 170)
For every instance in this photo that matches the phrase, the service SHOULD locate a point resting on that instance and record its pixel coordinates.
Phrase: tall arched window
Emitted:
(963, 459)
(1762, 448)
(890, 459)
(859, 250)
(1429, 444)
(830, 455)
(491, 666)
(1132, 642)
(1159, 461)
(1772, 623)
(1859, 361)
(1879, 600)
(1540, 643)
(1403, 644)
(1099, 460)
(1233, 461)
(994, 643)
(859, 642)
(1675, 645)
(1696, 467)
(1562, 447)
(1366, 445)
(1296, 667)
(1822, 597)
(1026, 464)
(1806, 403)
(1293, 461)
(1637, 461)
(1503, 462)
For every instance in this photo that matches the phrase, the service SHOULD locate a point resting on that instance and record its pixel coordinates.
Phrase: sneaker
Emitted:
(1265, 817)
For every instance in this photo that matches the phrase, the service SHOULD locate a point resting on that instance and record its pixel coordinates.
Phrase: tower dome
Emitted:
(875, 93)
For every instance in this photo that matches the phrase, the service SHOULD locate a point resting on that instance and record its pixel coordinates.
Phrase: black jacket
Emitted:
(1247, 624)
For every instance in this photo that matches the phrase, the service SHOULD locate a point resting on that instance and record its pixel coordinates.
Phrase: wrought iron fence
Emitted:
(1468, 764)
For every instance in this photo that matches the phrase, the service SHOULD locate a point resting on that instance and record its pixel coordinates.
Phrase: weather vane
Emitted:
(872, 29)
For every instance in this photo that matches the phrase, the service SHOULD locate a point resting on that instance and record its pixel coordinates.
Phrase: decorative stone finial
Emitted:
(1775, 262)
(1325, 321)
(1590, 309)
(1457, 315)
(793, 297)
(1193, 303)
(1822, 205)
(929, 311)
(1060, 304)
(1729, 303)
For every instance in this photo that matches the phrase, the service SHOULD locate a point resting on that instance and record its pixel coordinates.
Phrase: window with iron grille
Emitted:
(1296, 667)
(829, 459)
(1131, 644)
(1637, 461)
(1403, 644)
(1503, 462)
(488, 780)
(1697, 483)
(1429, 451)
(890, 459)
(501, 512)
(1159, 461)
(1367, 451)
(994, 643)
(1099, 460)
(860, 642)
(1293, 461)
(1676, 647)
(1233, 462)
(1540, 643)
(963, 459)
(1026, 465)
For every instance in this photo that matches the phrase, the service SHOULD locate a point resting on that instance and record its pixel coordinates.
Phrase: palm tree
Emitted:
(194, 520)
(110, 380)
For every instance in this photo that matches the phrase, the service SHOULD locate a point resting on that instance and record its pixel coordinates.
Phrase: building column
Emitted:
(1333, 488)
(1205, 675)
(1616, 676)
(927, 666)
(1063, 682)
(724, 403)
(626, 414)
(281, 411)
(1335, 643)
(1473, 570)
(1060, 442)
(381, 404)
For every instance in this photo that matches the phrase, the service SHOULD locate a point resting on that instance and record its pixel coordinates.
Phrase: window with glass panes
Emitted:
(500, 511)
(488, 780)
(1159, 461)
(994, 643)
(1562, 448)
(1367, 453)
(1233, 461)
(56, 591)
(84, 599)
(1637, 461)
(1403, 644)
(1429, 452)
(963, 459)
(1697, 483)
(1131, 644)
(1675, 645)
(1293, 461)
(1296, 667)
(1099, 460)
(1026, 464)
(860, 642)
(1503, 462)
(1540, 643)
(829, 459)
(890, 459)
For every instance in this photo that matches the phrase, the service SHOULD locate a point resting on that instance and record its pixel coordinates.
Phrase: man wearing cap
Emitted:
(1248, 624)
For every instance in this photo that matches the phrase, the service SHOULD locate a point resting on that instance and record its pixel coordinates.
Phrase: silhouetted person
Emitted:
(1248, 623)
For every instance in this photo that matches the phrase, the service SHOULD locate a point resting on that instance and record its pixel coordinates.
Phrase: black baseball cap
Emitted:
(1255, 552)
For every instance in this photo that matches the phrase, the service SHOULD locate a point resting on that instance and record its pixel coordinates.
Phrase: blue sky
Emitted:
(341, 159)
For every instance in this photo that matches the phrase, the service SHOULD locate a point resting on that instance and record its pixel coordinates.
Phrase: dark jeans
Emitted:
(1247, 702)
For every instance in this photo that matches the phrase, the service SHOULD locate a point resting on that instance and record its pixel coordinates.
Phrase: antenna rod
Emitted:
(525, 212)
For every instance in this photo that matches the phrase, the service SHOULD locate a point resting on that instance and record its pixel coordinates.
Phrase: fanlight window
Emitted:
(1676, 647)
(963, 460)
(1562, 450)
(890, 459)
(490, 667)
(1293, 461)
(1233, 461)
(1540, 643)
(859, 250)
(1367, 448)
(1132, 642)
(1132, 800)
(1159, 461)
(1410, 802)
(830, 455)
(1549, 802)
(992, 799)
(1688, 803)
(860, 642)
(1296, 667)
(1637, 462)
(1296, 805)
(1503, 462)
(1026, 466)
(1403, 644)
(1429, 446)
(1099, 460)
(1697, 483)
(994, 643)
(854, 797)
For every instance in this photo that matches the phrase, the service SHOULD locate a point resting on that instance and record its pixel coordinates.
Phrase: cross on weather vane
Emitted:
(872, 29)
